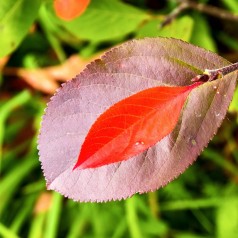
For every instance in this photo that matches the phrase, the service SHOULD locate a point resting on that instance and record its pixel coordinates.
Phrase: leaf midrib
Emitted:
(11, 11)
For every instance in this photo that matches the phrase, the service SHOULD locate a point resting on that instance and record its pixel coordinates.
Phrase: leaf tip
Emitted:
(81, 164)
(77, 166)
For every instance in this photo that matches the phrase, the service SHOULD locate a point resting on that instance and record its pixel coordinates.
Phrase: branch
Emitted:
(213, 74)
(208, 9)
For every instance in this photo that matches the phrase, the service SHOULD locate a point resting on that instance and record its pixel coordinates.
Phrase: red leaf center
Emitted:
(133, 125)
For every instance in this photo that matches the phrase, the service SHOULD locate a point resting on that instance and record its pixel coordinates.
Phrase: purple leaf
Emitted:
(121, 72)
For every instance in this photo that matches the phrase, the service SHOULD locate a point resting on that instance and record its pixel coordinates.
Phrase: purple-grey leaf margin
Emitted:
(124, 70)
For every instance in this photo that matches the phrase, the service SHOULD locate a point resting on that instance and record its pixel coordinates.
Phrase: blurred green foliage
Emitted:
(203, 202)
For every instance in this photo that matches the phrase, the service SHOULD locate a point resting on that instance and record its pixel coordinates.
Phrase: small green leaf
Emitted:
(234, 103)
(232, 5)
(180, 29)
(227, 218)
(201, 35)
(16, 17)
(103, 20)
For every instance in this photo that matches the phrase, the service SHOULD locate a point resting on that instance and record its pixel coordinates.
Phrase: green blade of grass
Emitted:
(132, 218)
(203, 219)
(7, 233)
(13, 179)
(6, 109)
(34, 187)
(53, 216)
(79, 223)
(120, 229)
(37, 225)
(191, 204)
(23, 214)
(220, 160)
(54, 41)
(98, 228)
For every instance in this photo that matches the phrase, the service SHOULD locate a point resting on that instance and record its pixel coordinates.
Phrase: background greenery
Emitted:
(38, 51)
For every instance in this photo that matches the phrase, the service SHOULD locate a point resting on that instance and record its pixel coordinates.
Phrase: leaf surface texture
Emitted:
(126, 70)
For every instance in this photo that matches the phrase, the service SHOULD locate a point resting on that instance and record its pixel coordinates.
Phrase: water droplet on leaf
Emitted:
(193, 142)
(139, 143)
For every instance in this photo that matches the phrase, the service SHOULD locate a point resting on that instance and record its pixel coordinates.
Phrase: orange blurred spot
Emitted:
(70, 9)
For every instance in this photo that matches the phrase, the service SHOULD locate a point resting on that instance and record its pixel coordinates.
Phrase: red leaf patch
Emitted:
(132, 125)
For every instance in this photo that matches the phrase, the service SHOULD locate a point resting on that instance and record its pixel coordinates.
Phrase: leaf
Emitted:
(227, 227)
(232, 5)
(70, 9)
(234, 103)
(179, 28)
(120, 73)
(201, 34)
(132, 125)
(103, 20)
(16, 17)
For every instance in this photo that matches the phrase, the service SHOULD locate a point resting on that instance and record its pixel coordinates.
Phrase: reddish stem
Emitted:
(213, 74)
(223, 71)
